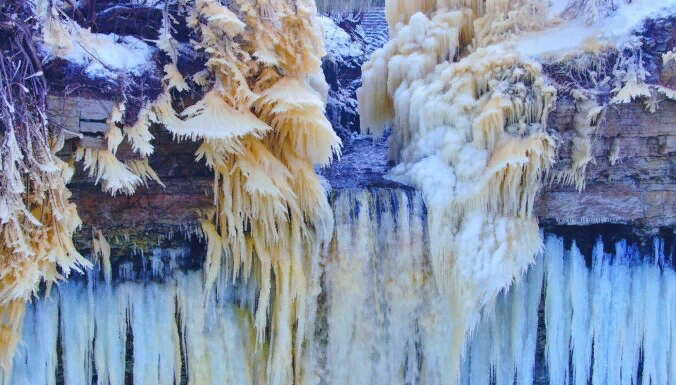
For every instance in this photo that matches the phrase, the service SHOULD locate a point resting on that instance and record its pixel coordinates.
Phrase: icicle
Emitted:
(615, 321)
(505, 360)
(601, 294)
(110, 318)
(36, 357)
(581, 339)
(525, 373)
(556, 312)
(636, 322)
(151, 319)
(663, 349)
(669, 283)
(101, 250)
(652, 338)
(480, 369)
(518, 319)
(77, 334)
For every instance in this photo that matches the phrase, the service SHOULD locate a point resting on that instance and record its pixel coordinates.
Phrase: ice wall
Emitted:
(156, 333)
(612, 323)
(379, 318)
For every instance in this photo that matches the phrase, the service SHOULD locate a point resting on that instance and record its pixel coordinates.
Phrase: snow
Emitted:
(111, 54)
(563, 39)
(570, 37)
(102, 55)
(350, 38)
(338, 42)
(556, 7)
(345, 54)
(145, 3)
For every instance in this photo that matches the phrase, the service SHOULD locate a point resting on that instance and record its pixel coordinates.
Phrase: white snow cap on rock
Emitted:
(623, 18)
(102, 55)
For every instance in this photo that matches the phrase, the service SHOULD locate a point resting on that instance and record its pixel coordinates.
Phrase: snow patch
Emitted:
(338, 42)
(102, 55)
(145, 3)
(572, 35)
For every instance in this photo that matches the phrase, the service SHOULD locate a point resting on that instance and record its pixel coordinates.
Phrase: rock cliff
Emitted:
(630, 181)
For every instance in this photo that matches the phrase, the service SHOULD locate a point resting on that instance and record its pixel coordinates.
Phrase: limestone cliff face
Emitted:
(631, 180)
(639, 188)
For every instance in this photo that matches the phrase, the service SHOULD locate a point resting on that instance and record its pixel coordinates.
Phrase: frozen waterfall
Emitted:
(604, 319)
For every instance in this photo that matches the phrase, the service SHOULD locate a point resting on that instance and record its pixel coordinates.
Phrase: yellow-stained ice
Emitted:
(263, 130)
(469, 124)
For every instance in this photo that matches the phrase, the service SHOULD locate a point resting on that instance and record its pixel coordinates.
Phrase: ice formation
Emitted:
(610, 312)
(168, 322)
(405, 289)
(381, 319)
(261, 122)
(468, 113)
(37, 223)
(469, 129)
(264, 130)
